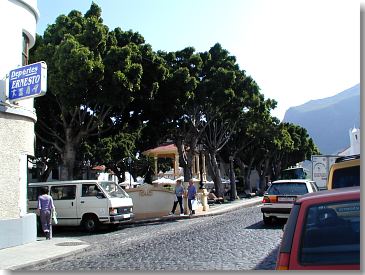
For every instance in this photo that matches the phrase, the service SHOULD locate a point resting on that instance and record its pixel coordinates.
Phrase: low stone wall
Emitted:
(18, 231)
(155, 202)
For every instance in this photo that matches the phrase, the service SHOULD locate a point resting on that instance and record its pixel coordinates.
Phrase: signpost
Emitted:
(28, 81)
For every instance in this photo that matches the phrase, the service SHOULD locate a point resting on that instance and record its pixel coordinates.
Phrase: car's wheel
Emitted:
(90, 223)
(267, 220)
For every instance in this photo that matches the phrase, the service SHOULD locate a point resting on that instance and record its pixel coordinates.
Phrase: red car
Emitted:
(323, 232)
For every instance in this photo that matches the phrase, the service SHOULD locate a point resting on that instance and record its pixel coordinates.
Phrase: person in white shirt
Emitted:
(179, 191)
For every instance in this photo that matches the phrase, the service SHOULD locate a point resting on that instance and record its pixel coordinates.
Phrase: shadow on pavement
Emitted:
(260, 225)
(269, 262)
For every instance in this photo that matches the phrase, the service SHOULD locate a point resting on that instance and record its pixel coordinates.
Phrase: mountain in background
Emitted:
(329, 120)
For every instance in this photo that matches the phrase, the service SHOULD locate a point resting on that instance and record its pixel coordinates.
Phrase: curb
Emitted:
(213, 212)
(51, 259)
(232, 208)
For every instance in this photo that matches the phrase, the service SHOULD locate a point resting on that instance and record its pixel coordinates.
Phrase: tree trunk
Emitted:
(184, 160)
(277, 170)
(232, 178)
(215, 173)
(44, 176)
(68, 164)
(223, 167)
(187, 156)
(243, 173)
(262, 168)
(247, 174)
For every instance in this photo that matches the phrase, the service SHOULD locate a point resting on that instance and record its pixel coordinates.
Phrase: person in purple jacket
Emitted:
(45, 208)
(191, 196)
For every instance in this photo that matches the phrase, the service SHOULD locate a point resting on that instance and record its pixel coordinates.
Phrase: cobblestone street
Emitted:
(233, 241)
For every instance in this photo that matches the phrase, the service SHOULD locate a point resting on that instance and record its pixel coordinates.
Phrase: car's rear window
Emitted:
(346, 177)
(288, 188)
(331, 234)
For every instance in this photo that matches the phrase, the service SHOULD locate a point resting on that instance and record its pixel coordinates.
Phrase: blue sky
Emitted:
(295, 50)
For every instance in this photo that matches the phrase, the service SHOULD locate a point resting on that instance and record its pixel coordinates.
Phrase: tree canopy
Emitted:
(98, 83)
(110, 96)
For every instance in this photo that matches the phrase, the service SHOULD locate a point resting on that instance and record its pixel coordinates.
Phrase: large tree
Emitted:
(178, 104)
(97, 80)
(239, 152)
(206, 92)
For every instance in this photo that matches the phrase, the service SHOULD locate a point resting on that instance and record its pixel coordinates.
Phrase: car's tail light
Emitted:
(265, 199)
(283, 261)
(268, 199)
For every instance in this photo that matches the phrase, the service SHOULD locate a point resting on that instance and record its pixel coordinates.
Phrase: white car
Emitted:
(280, 196)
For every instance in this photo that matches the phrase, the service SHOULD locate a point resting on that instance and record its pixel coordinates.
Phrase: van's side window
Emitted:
(89, 190)
(33, 193)
(66, 192)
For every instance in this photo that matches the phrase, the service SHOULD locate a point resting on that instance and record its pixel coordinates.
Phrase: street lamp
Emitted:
(129, 168)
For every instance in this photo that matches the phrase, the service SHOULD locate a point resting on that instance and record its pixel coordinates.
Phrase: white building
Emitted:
(354, 148)
(18, 19)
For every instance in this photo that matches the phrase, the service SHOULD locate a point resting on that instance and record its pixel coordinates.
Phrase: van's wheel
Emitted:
(90, 223)
(267, 220)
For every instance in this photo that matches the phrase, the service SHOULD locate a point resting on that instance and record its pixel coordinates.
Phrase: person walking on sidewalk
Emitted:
(191, 196)
(179, 191)
(45, 208)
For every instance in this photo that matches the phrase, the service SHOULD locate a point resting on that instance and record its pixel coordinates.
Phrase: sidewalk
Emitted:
(41, 251)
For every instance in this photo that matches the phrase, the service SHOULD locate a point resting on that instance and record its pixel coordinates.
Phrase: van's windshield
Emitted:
(113, 189)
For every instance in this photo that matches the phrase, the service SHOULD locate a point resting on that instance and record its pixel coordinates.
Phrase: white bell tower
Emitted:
(354, 141)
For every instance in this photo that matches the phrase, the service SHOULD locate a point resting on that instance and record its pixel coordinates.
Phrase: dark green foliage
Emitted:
(110, 97)
(97, 84)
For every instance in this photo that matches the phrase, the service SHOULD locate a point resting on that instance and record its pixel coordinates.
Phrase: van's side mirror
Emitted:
(100, 195)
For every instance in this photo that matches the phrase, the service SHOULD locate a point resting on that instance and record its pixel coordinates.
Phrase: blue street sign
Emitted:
(28, 81)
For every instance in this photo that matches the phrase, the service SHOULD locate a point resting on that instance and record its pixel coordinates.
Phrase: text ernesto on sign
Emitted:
(28, 81)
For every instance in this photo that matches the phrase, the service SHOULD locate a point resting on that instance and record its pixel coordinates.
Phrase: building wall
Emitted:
(16, 123)
(17, 137)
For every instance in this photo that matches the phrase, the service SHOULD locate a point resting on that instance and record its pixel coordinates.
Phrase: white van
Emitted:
(88, 203)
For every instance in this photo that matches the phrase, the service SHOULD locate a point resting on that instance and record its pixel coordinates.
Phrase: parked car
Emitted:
(323, 232)
(280, 196)
(345, 172)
